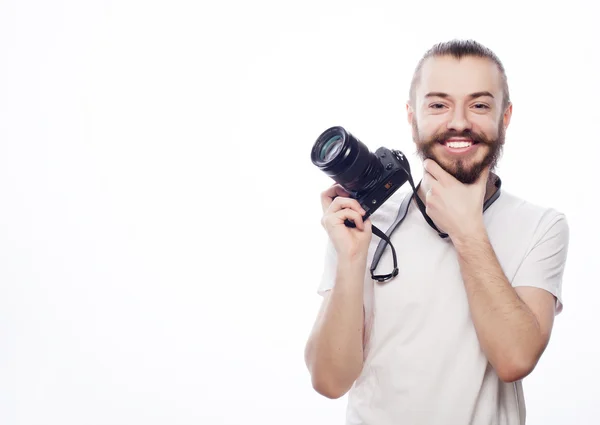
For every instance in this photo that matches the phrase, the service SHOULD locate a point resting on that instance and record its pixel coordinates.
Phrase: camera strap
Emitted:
(385, 240)
(402, 211)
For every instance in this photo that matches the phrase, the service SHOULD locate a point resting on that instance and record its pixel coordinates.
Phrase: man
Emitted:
(450, 338)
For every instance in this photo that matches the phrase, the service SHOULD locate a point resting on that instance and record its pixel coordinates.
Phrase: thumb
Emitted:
(483, 177)
(482, 180)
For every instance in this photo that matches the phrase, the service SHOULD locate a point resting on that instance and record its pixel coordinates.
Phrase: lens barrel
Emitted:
(346, 160)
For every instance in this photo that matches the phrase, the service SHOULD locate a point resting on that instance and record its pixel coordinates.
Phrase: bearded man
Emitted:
(451, 337)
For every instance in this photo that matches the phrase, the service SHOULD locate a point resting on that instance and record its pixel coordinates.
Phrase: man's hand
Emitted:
(455, 208)
(337, 207)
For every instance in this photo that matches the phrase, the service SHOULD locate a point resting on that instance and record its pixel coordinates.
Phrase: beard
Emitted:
(460, 168)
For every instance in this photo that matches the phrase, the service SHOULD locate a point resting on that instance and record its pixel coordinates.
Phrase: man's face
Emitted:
(457, 118)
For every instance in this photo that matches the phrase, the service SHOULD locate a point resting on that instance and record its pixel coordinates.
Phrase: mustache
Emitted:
(466, 134)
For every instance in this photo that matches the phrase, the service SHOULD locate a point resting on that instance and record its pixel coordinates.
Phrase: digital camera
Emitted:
(370, 178)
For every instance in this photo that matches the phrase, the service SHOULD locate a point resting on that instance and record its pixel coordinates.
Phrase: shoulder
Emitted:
(516, 216)
(510, 204)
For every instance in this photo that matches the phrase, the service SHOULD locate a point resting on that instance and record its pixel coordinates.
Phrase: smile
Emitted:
(459, 145)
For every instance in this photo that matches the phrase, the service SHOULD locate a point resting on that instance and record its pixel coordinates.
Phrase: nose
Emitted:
(459, 122)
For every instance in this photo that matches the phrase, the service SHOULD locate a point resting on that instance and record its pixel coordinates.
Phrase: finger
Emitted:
(341, 203)
(338, 218)
(437, 172)
(483, 177)
(351, 215)
(332, 192)
(435, 188)
(335, 190)
(367, 224)
(427, 180)
(482, 182)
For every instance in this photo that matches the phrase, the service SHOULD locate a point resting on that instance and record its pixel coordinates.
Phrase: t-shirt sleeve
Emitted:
(544, 264)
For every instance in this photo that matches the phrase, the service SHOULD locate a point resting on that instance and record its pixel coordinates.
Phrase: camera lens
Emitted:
(331, 148)
(346, 160)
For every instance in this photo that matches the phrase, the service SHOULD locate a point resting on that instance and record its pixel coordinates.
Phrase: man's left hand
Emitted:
(456, 208)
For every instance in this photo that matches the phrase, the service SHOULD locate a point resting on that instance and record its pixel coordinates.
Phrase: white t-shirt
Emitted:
(423, 363)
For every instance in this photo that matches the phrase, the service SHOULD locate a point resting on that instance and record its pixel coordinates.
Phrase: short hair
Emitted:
(459, 49)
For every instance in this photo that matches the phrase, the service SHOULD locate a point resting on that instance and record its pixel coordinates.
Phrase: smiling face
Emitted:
(457, 115)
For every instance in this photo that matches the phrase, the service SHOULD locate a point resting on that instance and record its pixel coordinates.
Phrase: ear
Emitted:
(507, 116)
(409, 113)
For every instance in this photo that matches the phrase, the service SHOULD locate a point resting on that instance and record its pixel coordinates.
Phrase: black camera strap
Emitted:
(402, 211)
(385, 241)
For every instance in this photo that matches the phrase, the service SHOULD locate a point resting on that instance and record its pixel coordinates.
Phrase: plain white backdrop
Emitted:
(160, 244)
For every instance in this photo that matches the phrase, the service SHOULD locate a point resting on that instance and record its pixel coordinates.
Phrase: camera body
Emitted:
(370, 178)
(393, 176)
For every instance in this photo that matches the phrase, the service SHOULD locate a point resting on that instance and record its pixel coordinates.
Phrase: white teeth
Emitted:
(459, 144)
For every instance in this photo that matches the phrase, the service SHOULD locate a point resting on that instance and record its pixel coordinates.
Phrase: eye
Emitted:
(481, 106)
(436, 105)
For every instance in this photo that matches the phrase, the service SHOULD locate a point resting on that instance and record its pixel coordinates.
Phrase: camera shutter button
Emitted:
(389, 166)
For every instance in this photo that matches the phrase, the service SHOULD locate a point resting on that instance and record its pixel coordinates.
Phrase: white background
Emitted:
(160, 244)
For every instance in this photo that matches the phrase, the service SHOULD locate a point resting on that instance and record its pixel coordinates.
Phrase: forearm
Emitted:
(508, 331)
(334, 352)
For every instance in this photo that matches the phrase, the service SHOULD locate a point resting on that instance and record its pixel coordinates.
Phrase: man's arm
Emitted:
(334, 351)
(513, 320)
(513, 325)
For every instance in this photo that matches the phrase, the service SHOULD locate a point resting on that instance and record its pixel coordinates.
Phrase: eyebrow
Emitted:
(472, 95)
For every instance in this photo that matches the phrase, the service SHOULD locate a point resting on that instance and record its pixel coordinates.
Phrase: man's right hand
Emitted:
(337, 207)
